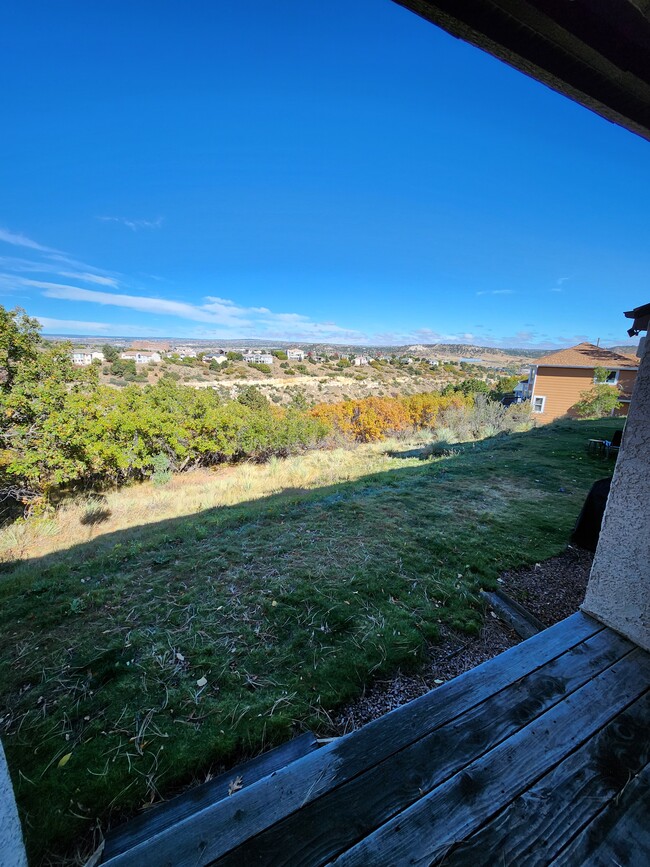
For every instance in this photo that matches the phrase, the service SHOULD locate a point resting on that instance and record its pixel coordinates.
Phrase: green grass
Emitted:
(286, 606)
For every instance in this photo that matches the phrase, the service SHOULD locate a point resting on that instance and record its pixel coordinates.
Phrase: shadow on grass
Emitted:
(153, 655)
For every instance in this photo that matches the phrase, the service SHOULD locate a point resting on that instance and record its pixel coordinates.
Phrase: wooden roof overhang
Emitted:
(596, 52)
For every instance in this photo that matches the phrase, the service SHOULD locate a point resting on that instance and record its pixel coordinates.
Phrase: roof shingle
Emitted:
(587, 355)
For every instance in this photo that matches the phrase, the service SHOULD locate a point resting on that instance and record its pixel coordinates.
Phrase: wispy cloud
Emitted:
(496, 292)
(134, 225)
(229, 318)
(18, 240)
(103, 329)
(86, 277)
(559, 284)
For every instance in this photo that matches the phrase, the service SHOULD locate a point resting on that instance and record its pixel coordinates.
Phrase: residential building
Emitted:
(141, 356)
(295, 355)
(219, 357)
(360, 360)
(433, 363)
(406, 359)
(86, 358)
(557, 380)
(255, 356)
(521, 391)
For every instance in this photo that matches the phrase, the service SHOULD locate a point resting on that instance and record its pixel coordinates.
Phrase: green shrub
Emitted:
(162, 470)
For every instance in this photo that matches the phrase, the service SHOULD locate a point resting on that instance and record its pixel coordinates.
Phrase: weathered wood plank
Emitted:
(515, 615)
(424, 832)
(210, 833)
(321, 830)
(157, 819)
(541, 821)
(620, 835)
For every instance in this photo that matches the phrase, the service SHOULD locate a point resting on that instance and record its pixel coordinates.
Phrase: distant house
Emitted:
(406, 359)
(433, 363)
(219, 357)
(295, 355)
(521, 390)
(254, 356)
(360, 360)
(317, 358)
(86, 358)
(184, 352)
(557, 380)
(141, 356)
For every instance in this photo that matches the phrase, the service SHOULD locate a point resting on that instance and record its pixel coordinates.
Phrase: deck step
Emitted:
(164, 816)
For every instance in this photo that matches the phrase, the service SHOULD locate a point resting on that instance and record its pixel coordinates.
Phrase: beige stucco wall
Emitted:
(618, 593)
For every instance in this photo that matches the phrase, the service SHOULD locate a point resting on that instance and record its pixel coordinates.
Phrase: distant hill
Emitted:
(624, 350)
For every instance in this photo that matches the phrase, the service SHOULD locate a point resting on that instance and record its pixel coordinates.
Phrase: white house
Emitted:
(434, 363)
(254, 356)
(406, 359)
(295, 355)
(184, 352)
(141, 357)
(360, 360)
(219, 357)
(86, 358)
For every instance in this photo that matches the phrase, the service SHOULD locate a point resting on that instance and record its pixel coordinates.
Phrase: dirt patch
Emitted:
(551, 590)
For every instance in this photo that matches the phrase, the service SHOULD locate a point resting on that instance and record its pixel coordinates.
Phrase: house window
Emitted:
(538, 404)
(610, 379)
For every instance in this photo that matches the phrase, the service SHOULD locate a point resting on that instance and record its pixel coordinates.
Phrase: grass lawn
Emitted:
(141, 659)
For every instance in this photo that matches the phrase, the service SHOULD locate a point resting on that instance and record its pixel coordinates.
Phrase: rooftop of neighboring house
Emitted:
(587, 355)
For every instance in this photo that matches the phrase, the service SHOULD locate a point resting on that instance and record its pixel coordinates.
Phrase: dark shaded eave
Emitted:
(641, 316)
(596, 52)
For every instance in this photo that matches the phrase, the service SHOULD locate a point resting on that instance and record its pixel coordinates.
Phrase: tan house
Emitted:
(557, 380)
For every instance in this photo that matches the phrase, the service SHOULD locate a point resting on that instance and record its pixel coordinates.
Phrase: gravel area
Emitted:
(552, 590)
(453, 655)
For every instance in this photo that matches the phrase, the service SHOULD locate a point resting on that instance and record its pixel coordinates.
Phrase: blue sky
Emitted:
(305, 171)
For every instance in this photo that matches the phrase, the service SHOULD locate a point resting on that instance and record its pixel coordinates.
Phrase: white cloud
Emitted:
(233, 320)
(18, 240)
(86, 277)
(496, 292)
(559, 284)
(134, 225)
(104, 329)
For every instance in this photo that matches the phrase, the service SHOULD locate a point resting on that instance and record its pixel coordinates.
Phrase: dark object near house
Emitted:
(617, 438)
(587, 529)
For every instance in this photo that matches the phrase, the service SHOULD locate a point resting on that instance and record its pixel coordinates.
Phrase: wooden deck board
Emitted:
(157, 819)
(209, 834)
(619, 835)
(308, 837)
(535, 755)
(426, 831)
(529, 832)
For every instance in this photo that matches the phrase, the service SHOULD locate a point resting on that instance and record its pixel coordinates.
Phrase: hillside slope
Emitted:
(147, 657)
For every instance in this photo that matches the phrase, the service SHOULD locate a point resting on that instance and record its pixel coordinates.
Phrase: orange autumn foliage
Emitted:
(372, 418)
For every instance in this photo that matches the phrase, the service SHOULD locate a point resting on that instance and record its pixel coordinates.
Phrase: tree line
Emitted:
(61, 430)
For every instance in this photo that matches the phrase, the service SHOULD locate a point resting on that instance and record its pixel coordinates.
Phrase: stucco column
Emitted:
(12, 851)
(618, 593)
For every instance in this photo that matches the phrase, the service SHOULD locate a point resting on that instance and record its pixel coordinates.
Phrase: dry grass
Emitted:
(89, 517)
